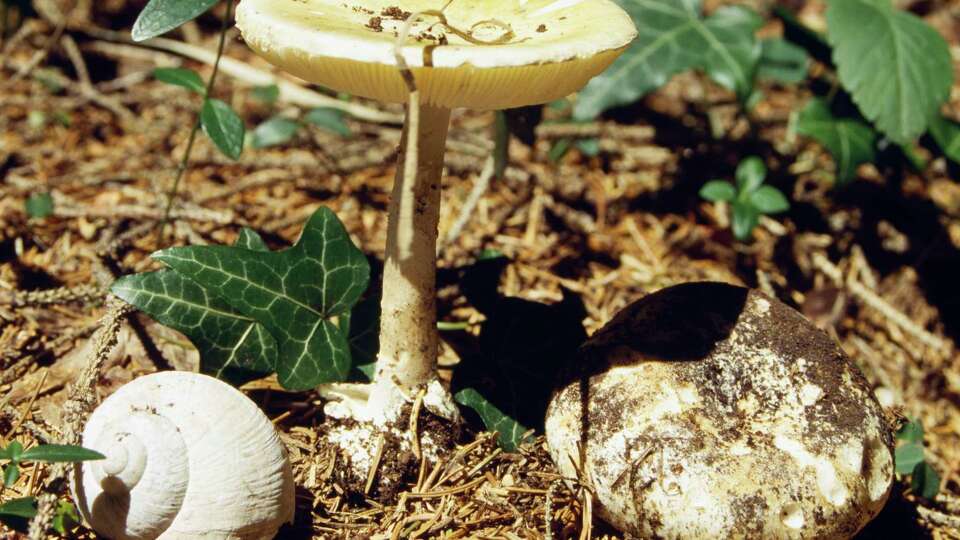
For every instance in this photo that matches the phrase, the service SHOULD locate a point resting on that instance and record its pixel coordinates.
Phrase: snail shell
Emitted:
(188, 457)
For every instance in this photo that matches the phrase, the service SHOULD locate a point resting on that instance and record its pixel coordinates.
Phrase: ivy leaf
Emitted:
(907, 456)
(946, 133)
(223, 126)
(510, 434)
(769, 200)
(897, 68)
(292, 292)
(328, 119)
(24, 507)
(232, 347)
(274, 131)
(161, 16)
(925, 481)
(782, 61)
(362, 328)
(718, 190)
(849, 141)
(185, 78)
(673, 37)
(61, 453)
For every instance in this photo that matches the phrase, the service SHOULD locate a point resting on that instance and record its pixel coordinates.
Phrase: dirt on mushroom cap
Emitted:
(742, 420)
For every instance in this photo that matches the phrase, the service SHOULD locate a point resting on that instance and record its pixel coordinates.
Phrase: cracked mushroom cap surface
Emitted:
(713, 411)
(494, 54)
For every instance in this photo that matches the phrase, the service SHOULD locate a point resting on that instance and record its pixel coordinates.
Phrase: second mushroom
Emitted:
(433, 56)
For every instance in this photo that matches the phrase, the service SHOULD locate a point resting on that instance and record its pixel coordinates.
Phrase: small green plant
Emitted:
(910, 460)
(217, 119)
(280, 129)
(39, 205)
(15, 511)
(749, 199)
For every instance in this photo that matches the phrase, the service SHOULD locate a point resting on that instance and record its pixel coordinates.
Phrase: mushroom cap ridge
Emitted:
(554, 47)
(713, 411)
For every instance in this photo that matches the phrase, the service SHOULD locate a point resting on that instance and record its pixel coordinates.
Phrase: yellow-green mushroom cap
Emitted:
(498, 54)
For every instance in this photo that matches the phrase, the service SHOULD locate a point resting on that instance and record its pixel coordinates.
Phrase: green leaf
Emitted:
(925, 481)
(232, 347)
(589, 147)
(274, 131)
(66, 518)
(223, 126)
(267, 94)
(510, 434)
(186, 78)
(897, 68)
(946, 133)
(292, 292)
(559, 149)
(849, 141)
(673, 37)
(769, 200)
(14, 451)
(61, 453)
(745, 219)
(39, 205)
(907, 456)
(912, 431)
(24, 507)
(718, 190)
(329, 119)
(10, 474)
(161, 16)
(750, 175)
(362, 327)
(782, 61)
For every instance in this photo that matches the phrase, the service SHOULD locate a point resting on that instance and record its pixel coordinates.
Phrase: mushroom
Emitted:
(706, 410)
(188, 456)
(434, 56)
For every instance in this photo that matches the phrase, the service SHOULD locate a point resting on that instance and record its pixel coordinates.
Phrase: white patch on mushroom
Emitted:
(880, 469)
(809, 394)
(762, 306)
(792, 516)
(828, 483)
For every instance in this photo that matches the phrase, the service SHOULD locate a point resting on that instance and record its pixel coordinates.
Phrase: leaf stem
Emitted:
(184, 162)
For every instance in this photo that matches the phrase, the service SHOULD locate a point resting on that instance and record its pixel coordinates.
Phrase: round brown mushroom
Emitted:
(713, 411)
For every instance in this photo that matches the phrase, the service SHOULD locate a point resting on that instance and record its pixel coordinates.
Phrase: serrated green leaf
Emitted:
(769, 200)
(745, 219)
(182, 77)
(907, 456)
(161, 16)
(510, 434)
(274, 131)
(61, 453)
(912, 431)
(24, 507)
(292, 292)
(267, 94)
(750, 174)
(849, 141)
(897, 68)
(718, 190)
(673, 37)
(925, 481)
(10, 474)
(946, 133)
(39, 205)
(223, 126)
(329, 119)
(782, 61)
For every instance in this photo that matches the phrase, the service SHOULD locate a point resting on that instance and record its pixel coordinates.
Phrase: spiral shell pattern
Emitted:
(188, 457)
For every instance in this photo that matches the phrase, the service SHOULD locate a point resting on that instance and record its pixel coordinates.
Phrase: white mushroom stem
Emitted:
(407, 359)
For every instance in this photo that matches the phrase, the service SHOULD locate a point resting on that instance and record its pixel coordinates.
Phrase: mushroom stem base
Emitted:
(407, 359)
